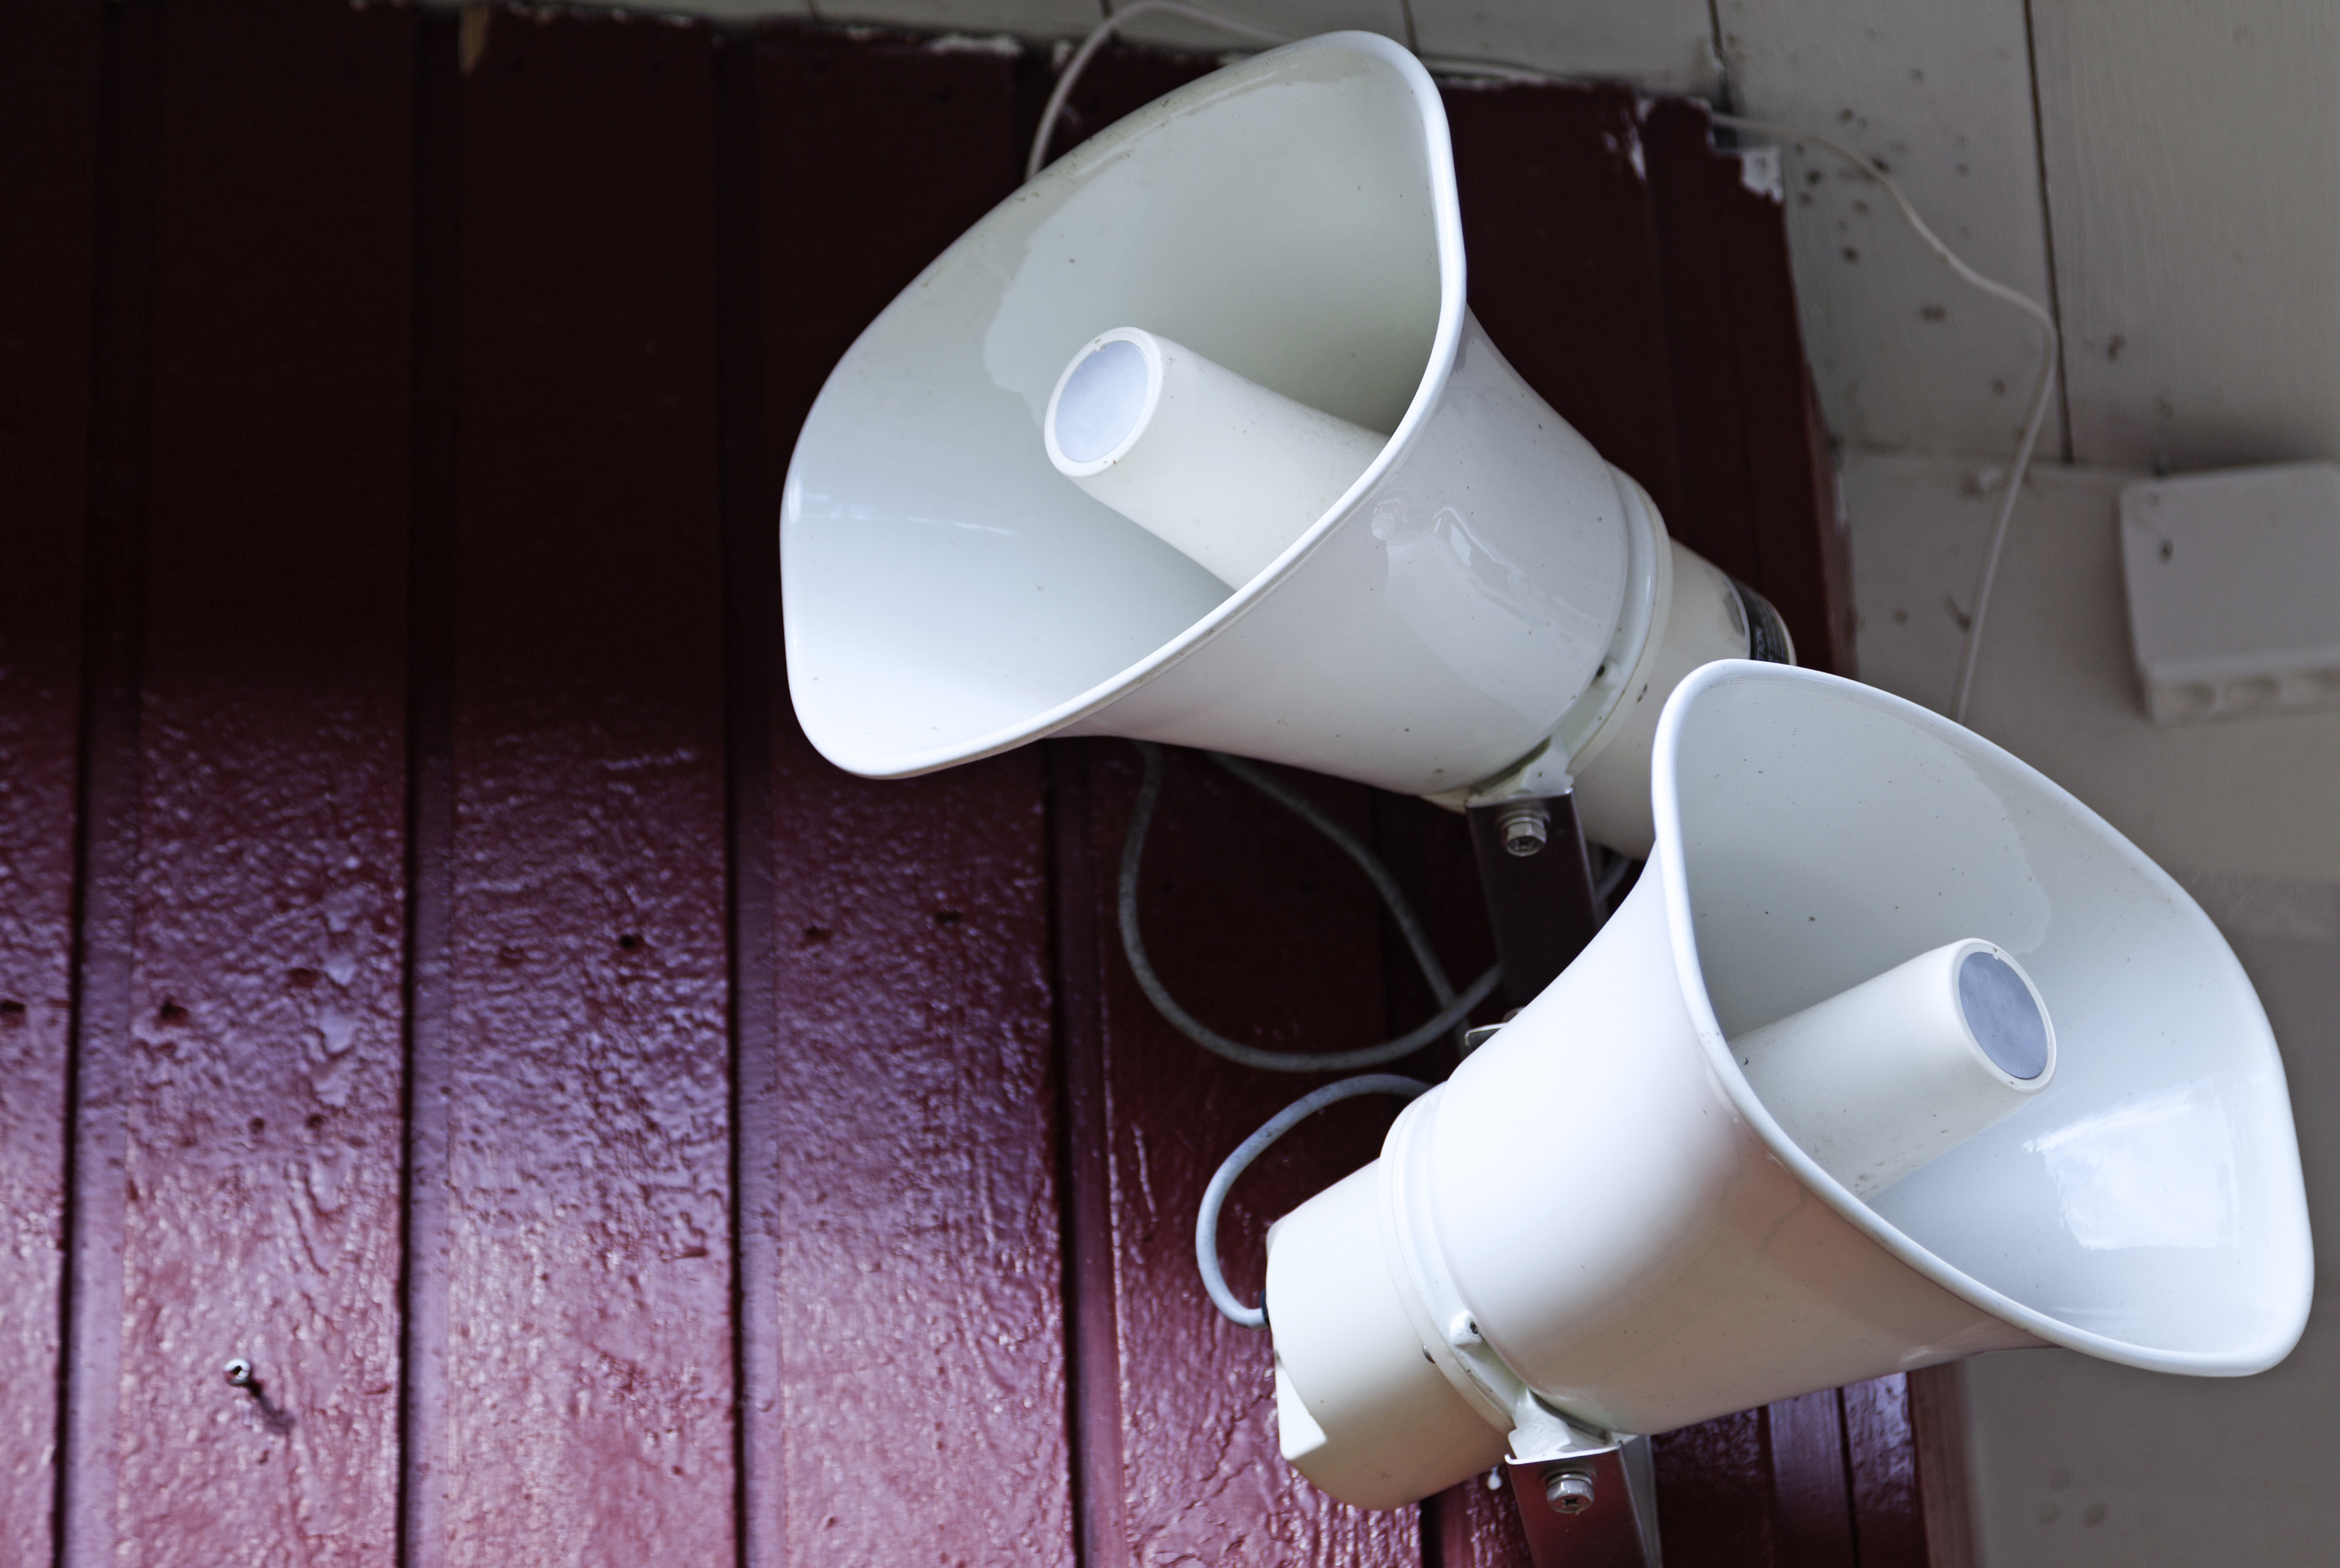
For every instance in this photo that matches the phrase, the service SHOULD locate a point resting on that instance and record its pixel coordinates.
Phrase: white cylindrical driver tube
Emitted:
(1220, 467)
(1878, 1080)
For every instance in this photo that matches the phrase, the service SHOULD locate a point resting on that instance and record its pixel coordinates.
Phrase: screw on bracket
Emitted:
(1568, 1491)
(1525, 828)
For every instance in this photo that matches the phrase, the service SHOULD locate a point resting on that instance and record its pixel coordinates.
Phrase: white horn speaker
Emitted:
(1897, 1052)
(1194, 439)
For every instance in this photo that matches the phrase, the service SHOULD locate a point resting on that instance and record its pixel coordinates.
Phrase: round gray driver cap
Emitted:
(2005, 1018)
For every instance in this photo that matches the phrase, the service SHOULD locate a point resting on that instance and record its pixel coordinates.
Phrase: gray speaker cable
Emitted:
(1454, 1008)
(1222, 1181)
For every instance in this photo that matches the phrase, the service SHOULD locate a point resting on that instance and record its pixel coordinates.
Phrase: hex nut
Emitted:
(1525, 829)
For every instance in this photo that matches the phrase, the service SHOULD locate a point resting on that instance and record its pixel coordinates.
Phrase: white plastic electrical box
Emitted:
(2234, 590)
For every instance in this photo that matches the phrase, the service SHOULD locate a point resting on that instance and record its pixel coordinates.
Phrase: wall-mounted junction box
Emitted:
(2234, 590)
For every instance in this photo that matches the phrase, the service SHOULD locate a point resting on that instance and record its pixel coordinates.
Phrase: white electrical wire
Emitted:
(1454, 1009)
(1215, 1197)
(2040, 398)
(1096, 40)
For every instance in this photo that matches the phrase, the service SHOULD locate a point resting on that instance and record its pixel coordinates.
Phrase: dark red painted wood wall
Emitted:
(433, 964)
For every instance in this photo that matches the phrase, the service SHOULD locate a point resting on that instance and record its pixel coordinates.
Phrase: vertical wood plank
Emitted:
(263, 1057)
(1758, 478)
(1714, 1494)
(1563, 266)
(1810, 1491)
(1262, 929)
(106, 817)
(1803, 554)
(1938, 1425)
(1888, 1518)
(588, 1367)
(1123, 1483)
(2191, 278)
(1715, 518)
(914, 1222)
(923, 1414)
(49, 92)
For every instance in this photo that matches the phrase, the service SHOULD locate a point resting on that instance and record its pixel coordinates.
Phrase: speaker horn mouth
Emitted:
(1317, 250)
(2145, 1207)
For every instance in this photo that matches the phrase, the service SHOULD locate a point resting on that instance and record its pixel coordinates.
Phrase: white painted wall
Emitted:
(1666, 45)
(1905, 357)
(2190, 150)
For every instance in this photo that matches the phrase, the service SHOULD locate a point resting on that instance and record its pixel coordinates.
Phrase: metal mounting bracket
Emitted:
(1538, 880)
(1586, 1500)
(1594, 1508)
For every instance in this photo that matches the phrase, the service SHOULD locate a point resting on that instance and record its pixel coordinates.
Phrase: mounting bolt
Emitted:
(239, 1373)
(1525, 828)
(1568, 1491)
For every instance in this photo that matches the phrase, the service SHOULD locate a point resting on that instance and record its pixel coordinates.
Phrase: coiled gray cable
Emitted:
(1215, 1197)
(1454, 1008)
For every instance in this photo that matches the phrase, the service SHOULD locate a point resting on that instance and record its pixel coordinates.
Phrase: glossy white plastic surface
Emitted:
(1601, 1197)
(1637, 1238)
(1883, 1078)
(1360, 1410)
(1222, 469)
(1698, 618)
(948, 594)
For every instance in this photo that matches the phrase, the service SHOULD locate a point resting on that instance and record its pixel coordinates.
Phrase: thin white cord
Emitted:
(1222, 1181)
(1454, 1010)
(1096, 40)
(2040, 398)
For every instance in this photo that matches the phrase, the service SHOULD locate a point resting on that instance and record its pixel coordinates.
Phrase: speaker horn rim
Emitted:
(1110, 146)
(1690, 974)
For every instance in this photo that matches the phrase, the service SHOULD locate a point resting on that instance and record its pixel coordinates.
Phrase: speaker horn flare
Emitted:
(1423, 612)
(1602, 1208)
